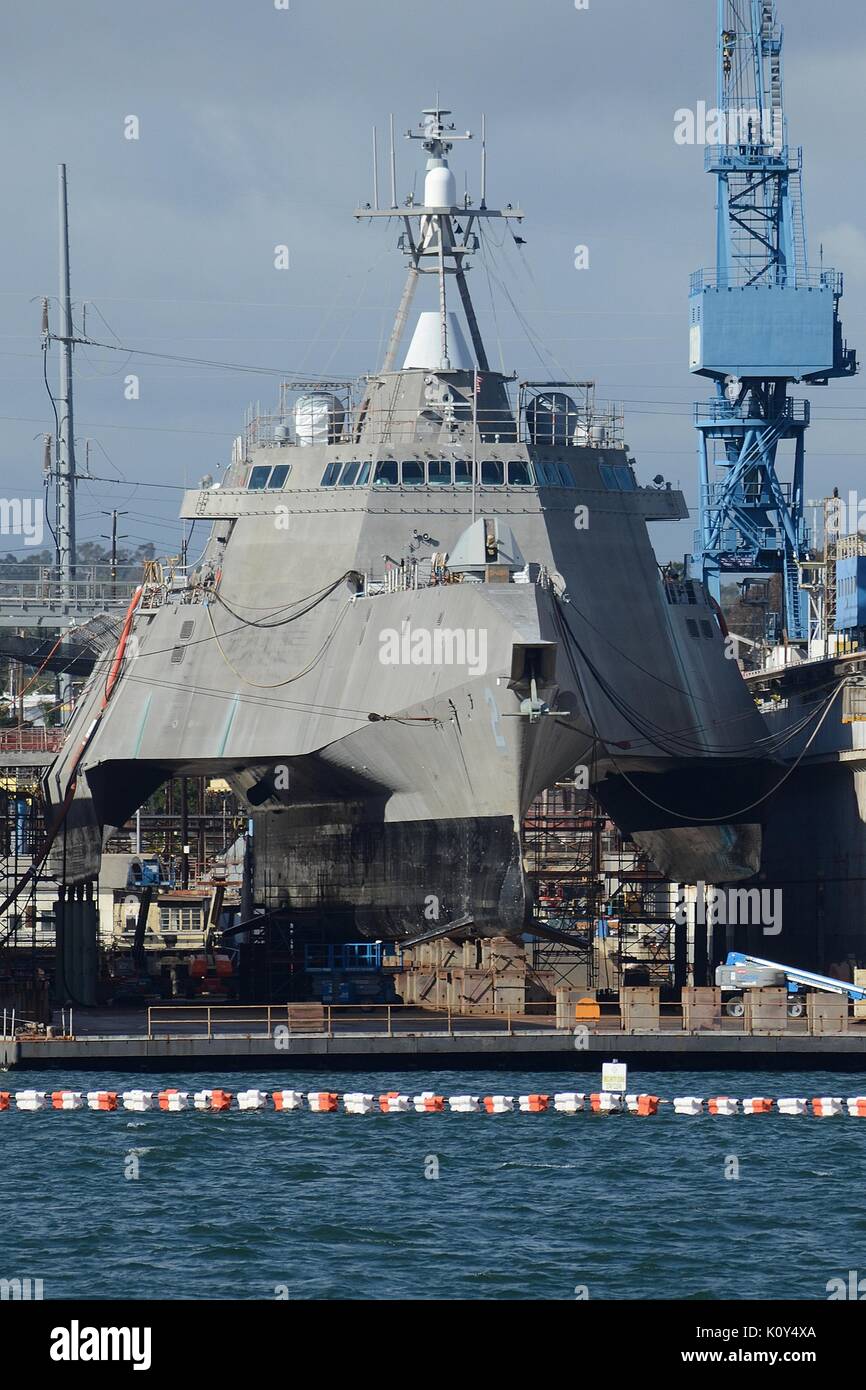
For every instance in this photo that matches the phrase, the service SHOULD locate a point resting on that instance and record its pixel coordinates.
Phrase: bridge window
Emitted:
(617, 477)
(519, 474)
(546, 474)
(439, 472)
(329, 477)
(386, 473)
(264, 476)
(492, 473)
(566, 477)
(413, 473)
(462, 473)
(364, 474)
(349, 474)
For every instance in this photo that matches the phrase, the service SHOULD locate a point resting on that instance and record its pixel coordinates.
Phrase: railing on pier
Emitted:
(40, 592)
(26, 740)
(281, 1022)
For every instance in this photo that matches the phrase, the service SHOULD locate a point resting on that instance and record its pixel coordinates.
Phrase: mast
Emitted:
(439, 235)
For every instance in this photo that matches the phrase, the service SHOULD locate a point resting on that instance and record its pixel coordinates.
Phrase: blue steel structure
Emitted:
(761, 320)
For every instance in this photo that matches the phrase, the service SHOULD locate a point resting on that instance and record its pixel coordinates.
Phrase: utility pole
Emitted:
(66, 423)
(114, 514)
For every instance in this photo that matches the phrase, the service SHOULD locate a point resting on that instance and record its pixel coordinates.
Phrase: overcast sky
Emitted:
(255, 130)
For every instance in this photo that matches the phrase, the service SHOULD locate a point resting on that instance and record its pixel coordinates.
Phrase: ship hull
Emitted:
(352, 873)
(441, 704)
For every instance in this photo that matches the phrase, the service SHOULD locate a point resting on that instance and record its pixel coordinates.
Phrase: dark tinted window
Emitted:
(363, 475)
(413, 473)
(259, 477)
(329, 477)
(349, 474)
(565, 476)
(624, 477)
(279, 474)
(439, 473)
(546, 474)
(492, 473)
(386, 473)
(608, 477)
(518, 473)
(463, 473)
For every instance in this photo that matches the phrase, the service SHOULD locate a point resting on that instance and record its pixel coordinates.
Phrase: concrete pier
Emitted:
(542, 1049)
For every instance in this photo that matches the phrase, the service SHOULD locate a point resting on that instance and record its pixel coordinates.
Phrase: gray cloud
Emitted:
(255, 129)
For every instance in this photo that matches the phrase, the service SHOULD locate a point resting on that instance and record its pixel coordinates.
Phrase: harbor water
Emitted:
(440, 1206)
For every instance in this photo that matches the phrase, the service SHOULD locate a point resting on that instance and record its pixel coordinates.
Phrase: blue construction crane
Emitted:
(763, 319)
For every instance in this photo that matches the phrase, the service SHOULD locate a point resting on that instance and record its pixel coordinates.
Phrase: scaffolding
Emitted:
(596, 888)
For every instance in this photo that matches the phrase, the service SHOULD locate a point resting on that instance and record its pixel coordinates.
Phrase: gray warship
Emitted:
(425, 597)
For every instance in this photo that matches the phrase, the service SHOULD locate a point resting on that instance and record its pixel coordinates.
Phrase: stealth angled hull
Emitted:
(402, 630)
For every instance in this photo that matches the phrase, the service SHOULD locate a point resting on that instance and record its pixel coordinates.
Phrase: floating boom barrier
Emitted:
(428, 1103)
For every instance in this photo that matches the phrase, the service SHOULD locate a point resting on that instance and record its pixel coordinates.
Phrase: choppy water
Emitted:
(253, 1205)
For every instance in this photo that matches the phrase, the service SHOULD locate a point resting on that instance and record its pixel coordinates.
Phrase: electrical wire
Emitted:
(289, 680)
(735, 815)
(671, 742)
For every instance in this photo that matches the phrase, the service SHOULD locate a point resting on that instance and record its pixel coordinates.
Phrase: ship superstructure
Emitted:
(426, 596)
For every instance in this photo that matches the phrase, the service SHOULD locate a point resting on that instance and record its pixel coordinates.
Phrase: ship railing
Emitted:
(433, 426)
(685, 591)
(439, 427)
(433, 572)
(167, 582)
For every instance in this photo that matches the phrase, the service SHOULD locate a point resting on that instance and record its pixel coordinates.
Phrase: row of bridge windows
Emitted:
(445, 473)
(448, 473)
